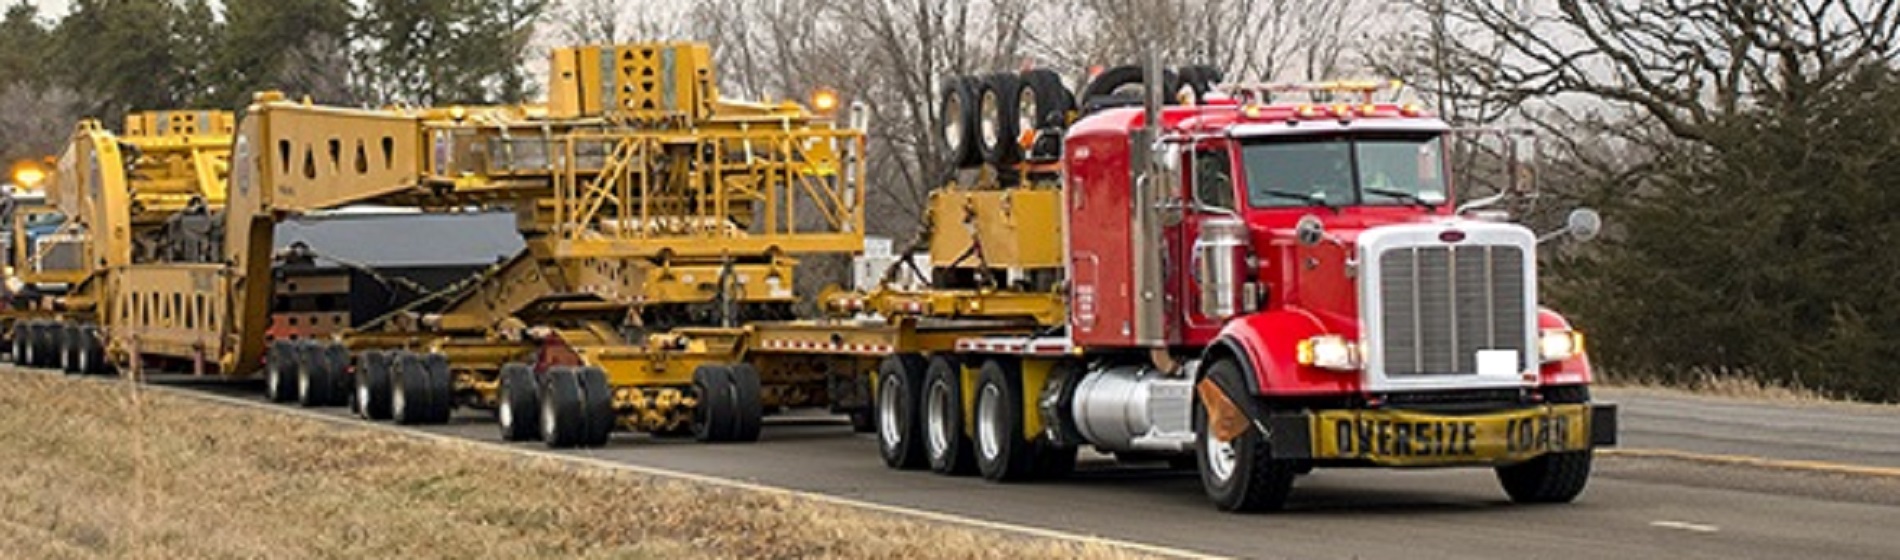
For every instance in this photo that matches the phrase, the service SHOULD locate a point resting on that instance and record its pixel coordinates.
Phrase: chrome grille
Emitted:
(1443, 304)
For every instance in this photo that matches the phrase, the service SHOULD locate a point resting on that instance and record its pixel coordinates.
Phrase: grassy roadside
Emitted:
(97, 470)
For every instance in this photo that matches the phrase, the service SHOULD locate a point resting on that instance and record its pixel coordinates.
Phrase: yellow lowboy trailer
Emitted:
(647, 204)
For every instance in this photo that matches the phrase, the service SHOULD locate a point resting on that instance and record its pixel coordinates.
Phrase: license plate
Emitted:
(1394, 437)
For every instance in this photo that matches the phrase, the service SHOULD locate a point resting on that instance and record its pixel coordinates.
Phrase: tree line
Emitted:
(105, 57)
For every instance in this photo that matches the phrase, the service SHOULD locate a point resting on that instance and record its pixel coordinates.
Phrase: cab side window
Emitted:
(1213, 178)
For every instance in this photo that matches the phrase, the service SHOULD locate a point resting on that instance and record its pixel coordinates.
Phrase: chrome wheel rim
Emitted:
(398, 403)
(303, 384)
(937, 408)
(1026, 110)
(989, 429)
(887, 420)
(989, 124)
(1221, 457)
(273, 382)
(953, 133)
(362, 396)
(506, 414)
(548, 428)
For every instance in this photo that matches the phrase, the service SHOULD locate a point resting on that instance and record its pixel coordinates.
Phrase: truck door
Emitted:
(1208, 194)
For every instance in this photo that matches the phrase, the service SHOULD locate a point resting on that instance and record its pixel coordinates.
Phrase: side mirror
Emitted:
(1583, 224)
(1310, 231)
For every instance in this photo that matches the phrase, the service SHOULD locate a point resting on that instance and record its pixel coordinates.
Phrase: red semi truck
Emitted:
(1252, 286)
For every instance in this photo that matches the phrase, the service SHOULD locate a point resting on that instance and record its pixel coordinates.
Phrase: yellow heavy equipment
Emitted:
(114, 201)
(648, 206)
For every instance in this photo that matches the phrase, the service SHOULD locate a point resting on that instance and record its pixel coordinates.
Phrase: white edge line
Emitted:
(1686, 526)
(941, 517)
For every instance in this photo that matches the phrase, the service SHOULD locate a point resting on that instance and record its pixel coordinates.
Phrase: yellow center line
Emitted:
(1751, 461)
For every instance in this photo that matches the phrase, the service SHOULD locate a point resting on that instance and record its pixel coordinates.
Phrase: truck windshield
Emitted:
(1344, 170)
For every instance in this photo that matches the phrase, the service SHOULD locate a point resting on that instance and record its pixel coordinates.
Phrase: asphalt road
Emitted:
(1636, 507)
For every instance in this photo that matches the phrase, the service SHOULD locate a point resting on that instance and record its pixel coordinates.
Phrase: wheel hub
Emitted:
(887, 422)
(989, 411)
(1222, 458)
(937, 409)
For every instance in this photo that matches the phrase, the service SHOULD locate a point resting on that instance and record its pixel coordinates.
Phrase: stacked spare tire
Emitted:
(1006, 119)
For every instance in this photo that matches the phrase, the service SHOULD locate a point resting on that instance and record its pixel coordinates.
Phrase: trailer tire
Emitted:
(519, 409)
(279, 371)
(18, 344)
(1200, 78)
(72, 343)
(998, 127)
(336, 358)
(900, 391)
(1240, 475)
(1052, 100)
(946, 442)
(561, 414)
(1551, 478)
(956, 121)
(748, 402)
(715, 419)
(441, 387)
(372, 385)
(1100, 93)
(1002, 453)
(46, 339)
(93, 359)
(410, 398)
(313, 376)
(597, 407)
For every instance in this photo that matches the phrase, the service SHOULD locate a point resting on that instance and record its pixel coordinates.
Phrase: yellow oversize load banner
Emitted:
(1408, 438)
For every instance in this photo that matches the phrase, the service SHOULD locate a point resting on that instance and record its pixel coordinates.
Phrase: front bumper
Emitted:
(1411, 438)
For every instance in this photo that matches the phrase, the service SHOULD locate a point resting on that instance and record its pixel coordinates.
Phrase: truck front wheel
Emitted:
(1239, 475)
(1552, 478)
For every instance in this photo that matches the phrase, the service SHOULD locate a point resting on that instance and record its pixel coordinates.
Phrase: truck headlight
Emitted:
(1328, 351)
(1556, 345)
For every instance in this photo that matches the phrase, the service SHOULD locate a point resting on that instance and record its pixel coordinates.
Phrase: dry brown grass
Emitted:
(1725, 386)
(95, 470)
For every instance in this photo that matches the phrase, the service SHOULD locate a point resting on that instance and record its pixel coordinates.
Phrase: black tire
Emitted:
(715, 419)
(441, 387)
(1199, 78)
(1100, 93)
(518, 409)
(561, 415)
(1552, 478)
(372, 385)
(280, 371)
(1052, 100)
(411, 400)
(998, 130)
(336, 357)
(898, 400)
(314, 381)
(749, 402)
(956, 121)
(1002, 453)
(69, 346)
(92, 360)
(43, 344)
(597, 407)
(1245, 477)
(946, 441)
(17, 355)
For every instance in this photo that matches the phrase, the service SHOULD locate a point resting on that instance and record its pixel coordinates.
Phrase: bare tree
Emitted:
(601, 22)
(38, 120)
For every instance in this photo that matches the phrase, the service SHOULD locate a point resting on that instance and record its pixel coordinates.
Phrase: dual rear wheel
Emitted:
(925, 419)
